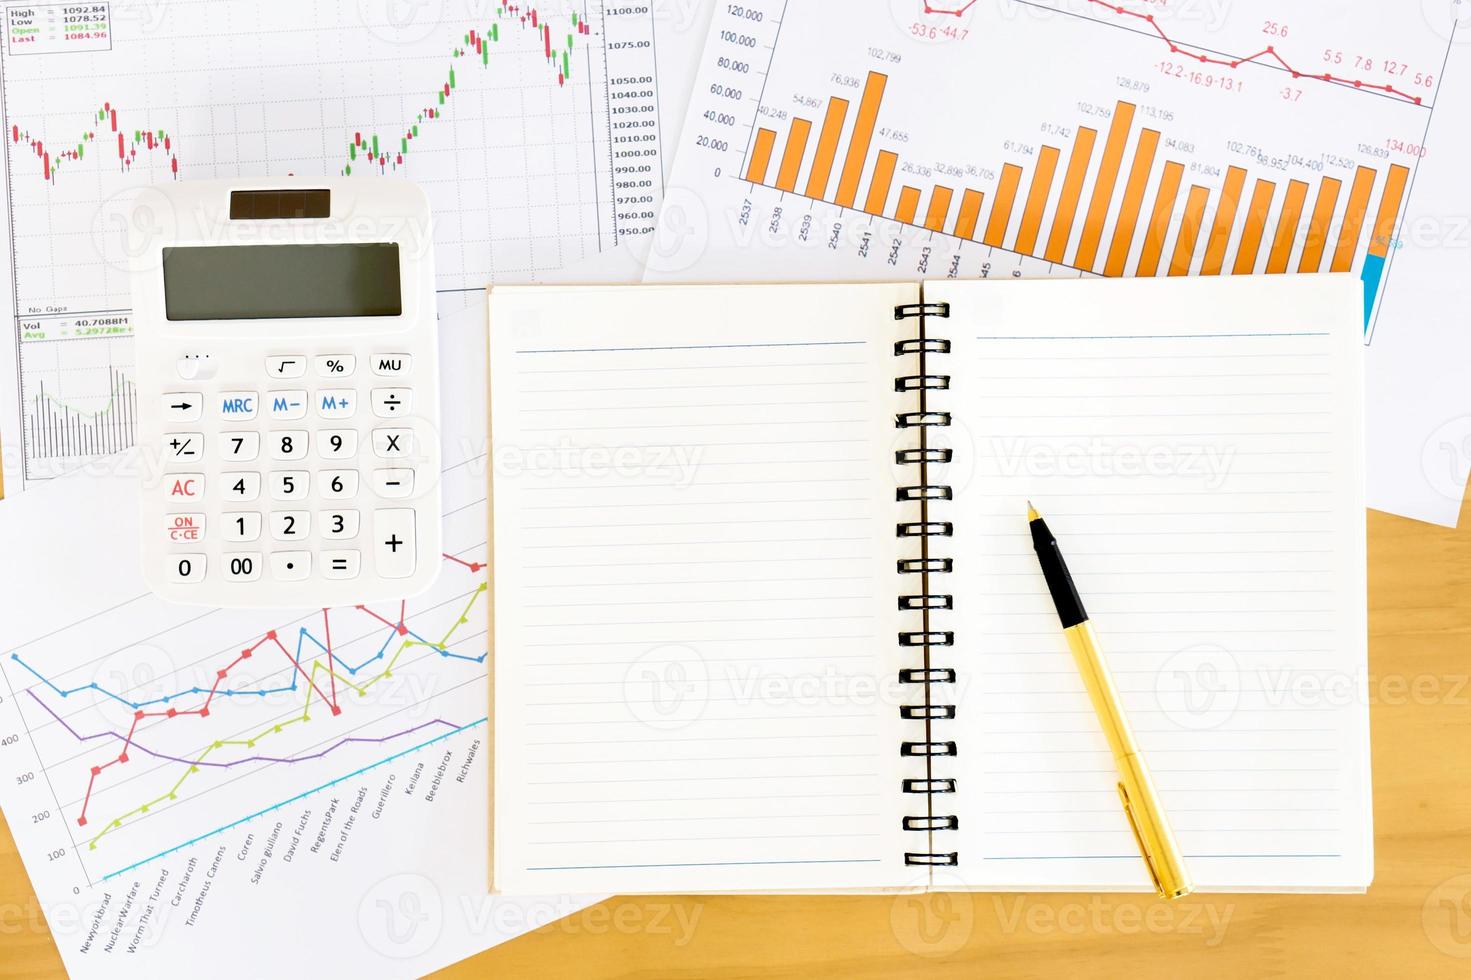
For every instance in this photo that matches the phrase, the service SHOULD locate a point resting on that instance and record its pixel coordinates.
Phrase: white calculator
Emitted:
(288, 391)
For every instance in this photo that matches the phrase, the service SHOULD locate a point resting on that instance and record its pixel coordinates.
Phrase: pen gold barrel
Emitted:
(1141, 802)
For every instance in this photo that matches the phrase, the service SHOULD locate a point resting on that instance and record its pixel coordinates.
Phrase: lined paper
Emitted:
(1196, 448)
(695, 588)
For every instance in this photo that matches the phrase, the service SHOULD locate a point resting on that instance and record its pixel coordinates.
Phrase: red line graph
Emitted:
(1267, 54)
(271, 637)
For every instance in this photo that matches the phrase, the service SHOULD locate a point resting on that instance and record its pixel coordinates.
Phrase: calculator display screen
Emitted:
(258, 282)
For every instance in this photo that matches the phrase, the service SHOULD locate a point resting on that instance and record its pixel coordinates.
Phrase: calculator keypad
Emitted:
(301, 485)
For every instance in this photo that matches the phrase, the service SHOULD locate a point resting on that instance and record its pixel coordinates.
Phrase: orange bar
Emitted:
(1394, 190)
(791, 157)
(1108, 175)
(1318, 225)
(1353, 220)
(827, 147)
(1220, 236)
(1011, 176)
(1159, 219)
(1297, 193)
(1256, 223)
(761, 155)
(908, 204)
(868, 113)
(1190, 225)
(1072, 191)
(970, 213)
(1026, 236)
(878, 188)
(1133, 201)
(934, 220)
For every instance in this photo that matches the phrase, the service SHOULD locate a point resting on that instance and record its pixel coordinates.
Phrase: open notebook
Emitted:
(767, 613)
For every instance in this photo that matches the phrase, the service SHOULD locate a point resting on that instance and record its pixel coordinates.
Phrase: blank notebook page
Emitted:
(695, 586)
(1199, 460)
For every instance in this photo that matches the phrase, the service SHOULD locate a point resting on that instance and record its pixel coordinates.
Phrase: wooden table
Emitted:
(1414, 921)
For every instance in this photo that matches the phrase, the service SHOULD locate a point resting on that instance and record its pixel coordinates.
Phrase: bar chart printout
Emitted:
(1124, 179)
(1141, 153)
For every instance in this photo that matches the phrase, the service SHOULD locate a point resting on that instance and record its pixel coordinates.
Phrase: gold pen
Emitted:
(1136, 789)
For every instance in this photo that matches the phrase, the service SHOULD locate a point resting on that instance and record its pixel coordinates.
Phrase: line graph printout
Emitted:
(533, 127)
(1023, 138)
(175, 774)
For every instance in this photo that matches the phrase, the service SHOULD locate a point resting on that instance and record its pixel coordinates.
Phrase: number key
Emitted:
(241, 447)
(339, 484)
(337, 443)
(241, 486)
(186, 568)
(288, 525)
(242, 566)
(290, 484)
(289, 445)
(244, 526)
(339, 523)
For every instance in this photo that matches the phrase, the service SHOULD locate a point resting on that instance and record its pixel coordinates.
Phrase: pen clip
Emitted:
(1139, 839)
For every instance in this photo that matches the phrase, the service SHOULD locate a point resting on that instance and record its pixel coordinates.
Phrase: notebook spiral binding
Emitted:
(926, 494)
